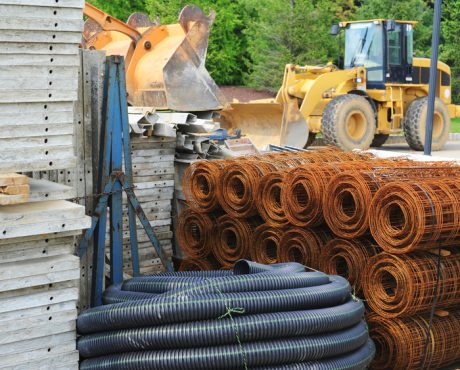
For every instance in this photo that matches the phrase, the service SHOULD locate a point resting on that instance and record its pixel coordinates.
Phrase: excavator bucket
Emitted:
(259, 120)
(165, 64)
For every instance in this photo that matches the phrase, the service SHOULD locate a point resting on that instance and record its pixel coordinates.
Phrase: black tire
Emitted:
(415, 123)
(379, 140)
(311, 139)
(349, 122)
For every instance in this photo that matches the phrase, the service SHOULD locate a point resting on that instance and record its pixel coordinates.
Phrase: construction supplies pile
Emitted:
(373, 221)
(253, 317)
(39, 272)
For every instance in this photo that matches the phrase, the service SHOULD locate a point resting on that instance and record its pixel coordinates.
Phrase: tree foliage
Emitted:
(251, 41)
(120, 9)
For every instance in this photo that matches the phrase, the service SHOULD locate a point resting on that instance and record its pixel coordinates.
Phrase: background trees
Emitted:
(252, 40)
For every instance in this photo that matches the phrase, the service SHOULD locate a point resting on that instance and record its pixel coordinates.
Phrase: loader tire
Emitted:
(415, 124)
(349, 122)
(379, 140)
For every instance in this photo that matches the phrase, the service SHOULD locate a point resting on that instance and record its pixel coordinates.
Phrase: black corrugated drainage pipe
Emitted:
(254, 317)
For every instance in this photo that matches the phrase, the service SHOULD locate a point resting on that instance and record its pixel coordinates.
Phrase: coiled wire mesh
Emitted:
(401, 342)
(266, 244)
(348, 194)
(195, 233)
(416, 215)
(233, 239)
(303, 246)
(405, 285)
(349, 259)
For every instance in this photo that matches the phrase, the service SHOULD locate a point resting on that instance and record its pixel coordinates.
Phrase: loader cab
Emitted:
(384, 47)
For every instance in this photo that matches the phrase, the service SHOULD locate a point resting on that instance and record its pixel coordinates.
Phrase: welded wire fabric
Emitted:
(254, 317)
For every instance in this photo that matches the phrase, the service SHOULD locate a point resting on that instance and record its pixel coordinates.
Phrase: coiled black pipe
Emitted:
(268, 316)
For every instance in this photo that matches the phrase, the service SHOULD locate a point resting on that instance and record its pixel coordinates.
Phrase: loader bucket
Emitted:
(165, 69)
(260, 121)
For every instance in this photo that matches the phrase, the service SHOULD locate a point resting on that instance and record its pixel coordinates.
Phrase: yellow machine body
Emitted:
(296, 113)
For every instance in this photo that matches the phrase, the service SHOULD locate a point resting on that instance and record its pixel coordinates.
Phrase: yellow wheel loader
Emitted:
(382, 90)
(165, 64)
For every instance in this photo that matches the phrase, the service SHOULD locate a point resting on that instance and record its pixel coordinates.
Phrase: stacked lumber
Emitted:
(14, 189)
(39, 61)
(153, 177)
(39, 280)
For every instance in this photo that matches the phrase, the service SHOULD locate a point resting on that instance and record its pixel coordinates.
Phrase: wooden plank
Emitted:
(40, 60)
(163, 158)
(41, 24)
(40, 37)
(35, 344)
(6, 199)
(43, 296)
(42, 237)
(44, 142)
(41, 131)
(50, 70)
(64, 361)
(39, 48)
(42, 190)
(13, 96)
(152, 153)
(35, 252)
(8, 179)
(37, 165)
(50, 3)
(155, 184)
(40, 83)
(36, 153)
(140, 179)
(55, 210)
(152, 166)
(19, 359)
(50, 13)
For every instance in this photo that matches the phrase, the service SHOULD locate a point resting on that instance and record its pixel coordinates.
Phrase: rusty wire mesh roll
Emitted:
(348, 195)
(233, 239)
(200, 185)
(265, 245)
(195, 232)
(303, 246)
(268, 199)
(201, 264)
(404, 285)
(401, 342)
(349, 259)
(416, 215)
(304, 187)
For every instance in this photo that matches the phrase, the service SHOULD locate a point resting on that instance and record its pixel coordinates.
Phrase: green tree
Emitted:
(120, 9)
(411, 10)
(227, 43)
(450, 41)
(288, 31)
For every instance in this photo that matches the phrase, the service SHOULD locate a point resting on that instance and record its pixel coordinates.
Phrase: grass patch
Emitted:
(455, 126)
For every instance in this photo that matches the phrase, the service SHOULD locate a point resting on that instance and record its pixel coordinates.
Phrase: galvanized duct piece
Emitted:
(401, 342)
(278, 317)
(303, 246)
(349, 259)
(195, 233)
(200, 185)
(233, 239)
(404, 285)
(266, 244)
(416, 215)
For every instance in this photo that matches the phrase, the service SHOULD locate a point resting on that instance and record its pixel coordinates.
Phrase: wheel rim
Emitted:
(356, 125)
(438, 125)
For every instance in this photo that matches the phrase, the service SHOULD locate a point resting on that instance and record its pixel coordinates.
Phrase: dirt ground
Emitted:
(244, 94)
